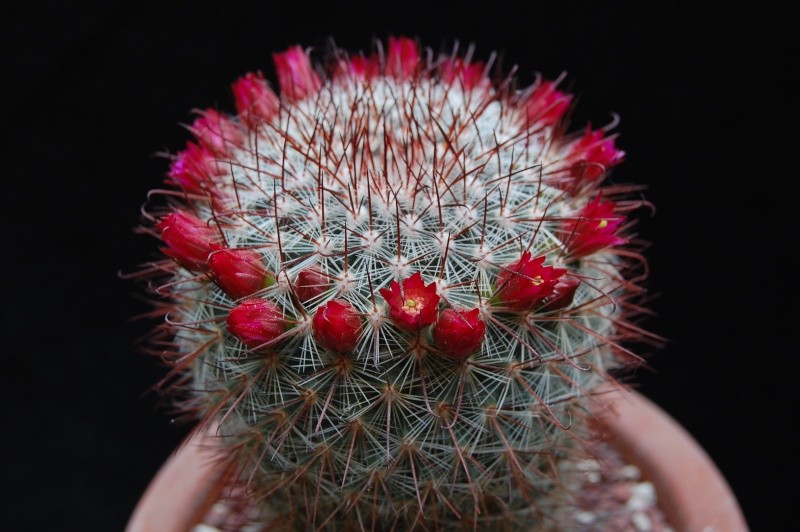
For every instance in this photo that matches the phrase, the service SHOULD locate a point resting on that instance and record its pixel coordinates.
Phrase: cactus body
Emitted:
(338, 222)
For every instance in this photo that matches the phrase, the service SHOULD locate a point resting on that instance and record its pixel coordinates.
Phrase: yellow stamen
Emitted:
(602, 224)
(537, 280)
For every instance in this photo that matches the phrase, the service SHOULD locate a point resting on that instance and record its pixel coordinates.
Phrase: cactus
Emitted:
(395, 286)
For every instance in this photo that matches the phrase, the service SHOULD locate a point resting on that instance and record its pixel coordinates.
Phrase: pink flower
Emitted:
(189, 240)
(296, 76)
(216, 132)
(194, 169)
(471, 75)
(310, 284)
(545, 105)
(239, 272)
(414, 306)
(595, 155)
(336, 326)
(256, 322)
(526, 282)
(563, 294)
(594, 230)
(459, 333)
(403, 57)
(254, 99)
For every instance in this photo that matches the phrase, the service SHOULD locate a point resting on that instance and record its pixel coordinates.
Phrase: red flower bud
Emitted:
(459, 333)
(310, 284)
(296, 77)
(595, 154)
(413, 306)
(254, 99)
(256, 322)
(594, 230)
(216, 132)
(563, 294)
(239, 272)
(336, 326)
(189, 240)
(545, 105)
(194, 170)
(526, 282)
(403, 57)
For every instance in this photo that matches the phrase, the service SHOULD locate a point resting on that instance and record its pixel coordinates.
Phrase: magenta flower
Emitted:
(254, 99)
(239, 272)
(563, 294)
(595, 154)
(526, 282)
(194, 170)
(296, 76)
(310, 284)
(216, 132)
(594, 229)
(545, 105)
(414, 305)
(256, 322)
(403, 58)
(189, 240)
(459, 333)
(336, 326)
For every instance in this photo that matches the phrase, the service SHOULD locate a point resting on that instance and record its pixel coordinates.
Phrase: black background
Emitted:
(92, 91)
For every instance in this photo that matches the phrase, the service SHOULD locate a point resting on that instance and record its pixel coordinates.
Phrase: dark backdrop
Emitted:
(92, 91)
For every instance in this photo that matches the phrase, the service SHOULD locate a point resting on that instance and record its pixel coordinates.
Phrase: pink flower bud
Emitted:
(459, 333)
(414, 305)
(189, 240)
(526, 282)
(310, 284)
(403, 57)
(254, 99)
(194, 170)
(296, 76)
(239, 272)
(595, 155)
(545, 105)
(336, 326)
(594, 229)
(563, 294)
(256, 322)
(471, 75)
(216, 132)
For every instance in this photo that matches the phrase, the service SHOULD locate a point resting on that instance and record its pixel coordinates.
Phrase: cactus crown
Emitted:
(393, 286)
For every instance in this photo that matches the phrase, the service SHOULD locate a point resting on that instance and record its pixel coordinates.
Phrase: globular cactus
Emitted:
(395, 285)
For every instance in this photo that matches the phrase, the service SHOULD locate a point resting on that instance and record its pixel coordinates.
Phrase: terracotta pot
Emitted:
(691, 491)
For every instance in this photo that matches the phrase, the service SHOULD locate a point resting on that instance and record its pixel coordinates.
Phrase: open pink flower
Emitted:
(594, 229)
(459, 333)
(254, 98)
(414, 305)
(189, 240)
(336, 326)
(194, 170)
(239, 272)
(310, 284)
(595, 154)
(545, 105)
(296, 76)
(563, 294)
(526, 282)
(256, 322)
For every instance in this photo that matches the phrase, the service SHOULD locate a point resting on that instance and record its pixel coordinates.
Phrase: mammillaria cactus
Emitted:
(395, 285)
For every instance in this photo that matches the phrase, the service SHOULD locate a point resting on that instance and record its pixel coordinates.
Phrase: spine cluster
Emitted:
(393, 284)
